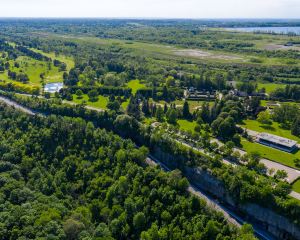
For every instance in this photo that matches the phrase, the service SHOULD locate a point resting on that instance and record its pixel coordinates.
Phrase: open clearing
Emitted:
(135, 85)
(271, 153)
(101, 103)
(205, 54)
(274, 47)
(273, 129)
(296, 186)
(270, 87)
(166, 51)
(33, 68)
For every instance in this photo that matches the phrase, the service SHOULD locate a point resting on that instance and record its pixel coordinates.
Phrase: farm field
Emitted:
(271, 153)
(273, 129)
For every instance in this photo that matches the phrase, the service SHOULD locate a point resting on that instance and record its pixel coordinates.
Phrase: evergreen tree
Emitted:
(159, 114)
(296, 127)
(186, 110)
(133, 108)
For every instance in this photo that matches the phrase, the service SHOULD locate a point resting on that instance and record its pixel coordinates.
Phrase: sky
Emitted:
(152, 8)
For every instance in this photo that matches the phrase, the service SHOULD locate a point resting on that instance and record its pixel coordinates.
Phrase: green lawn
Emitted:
(69, 61)
(33, 68)
(125, 104)
(135, 85)
(296, 186)
(194, 105)
(101, 103)
(273, 129)
(186, 125)
(270, 87)
(270, 153)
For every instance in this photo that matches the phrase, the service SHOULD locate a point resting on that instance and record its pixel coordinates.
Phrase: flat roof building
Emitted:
(280, 143)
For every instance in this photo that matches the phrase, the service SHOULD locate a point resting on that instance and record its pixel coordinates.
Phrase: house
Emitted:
(283, 144)
(192, 94)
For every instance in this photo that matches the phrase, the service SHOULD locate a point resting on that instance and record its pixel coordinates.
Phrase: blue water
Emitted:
(280, 30)
(53, 87)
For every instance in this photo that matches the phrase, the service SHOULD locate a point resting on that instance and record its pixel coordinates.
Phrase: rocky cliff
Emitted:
(276, 224)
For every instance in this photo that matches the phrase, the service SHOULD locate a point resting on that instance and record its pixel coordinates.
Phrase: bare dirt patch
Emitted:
(205, 54)
(273, 47)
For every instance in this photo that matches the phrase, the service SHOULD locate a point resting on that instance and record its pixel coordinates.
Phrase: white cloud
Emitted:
(152, 8)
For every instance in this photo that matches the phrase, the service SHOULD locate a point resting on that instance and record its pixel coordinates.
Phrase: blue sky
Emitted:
(152, 8)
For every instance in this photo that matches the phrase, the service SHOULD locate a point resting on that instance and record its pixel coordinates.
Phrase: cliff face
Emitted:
(276, 224)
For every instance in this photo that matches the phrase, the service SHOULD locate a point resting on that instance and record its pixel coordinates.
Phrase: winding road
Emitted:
(229, 214)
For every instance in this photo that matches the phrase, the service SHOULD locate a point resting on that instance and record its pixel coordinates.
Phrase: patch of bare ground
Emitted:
(205, 54)
(272, 47)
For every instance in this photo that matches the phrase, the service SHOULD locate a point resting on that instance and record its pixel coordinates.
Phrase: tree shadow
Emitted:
(266, 127)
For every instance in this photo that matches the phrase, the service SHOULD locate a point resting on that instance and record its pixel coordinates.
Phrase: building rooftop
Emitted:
(277, 140)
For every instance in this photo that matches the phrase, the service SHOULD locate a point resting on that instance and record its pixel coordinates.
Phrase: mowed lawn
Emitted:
(101, 103)
(194, 105)
(270, 87)
(69, 61)
(135, 85)
(296, 186)
(270, 153)
(186, 125)
(33, 68)
(273, 129)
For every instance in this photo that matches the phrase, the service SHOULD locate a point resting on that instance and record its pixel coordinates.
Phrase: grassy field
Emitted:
(101, 103)
(135, 85)
(125, 104)
(273, 129)
(270, 87)
(194, 105)
(296, 186)
(33, 68)
(67, 60)
(167, 51)
(270, 153)
(186, 125)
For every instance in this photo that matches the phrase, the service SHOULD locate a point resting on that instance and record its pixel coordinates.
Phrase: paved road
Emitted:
(293, 174)
(87, 107)
(16, 105)
(228, 214)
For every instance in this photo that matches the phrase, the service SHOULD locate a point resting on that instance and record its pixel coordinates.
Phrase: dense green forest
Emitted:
(62, 178)
(190, 90)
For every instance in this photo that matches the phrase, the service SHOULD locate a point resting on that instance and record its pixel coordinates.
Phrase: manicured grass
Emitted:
(270, 153)
(69, 61)
(101, 103)
(194, 105)
(135, 85)
(270, 87)
(33, 68)
(125, 104)
(273, 129)
(296, 186)
(186, 125)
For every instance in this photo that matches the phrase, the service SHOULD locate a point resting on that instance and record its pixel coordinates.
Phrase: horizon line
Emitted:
(152, 18)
